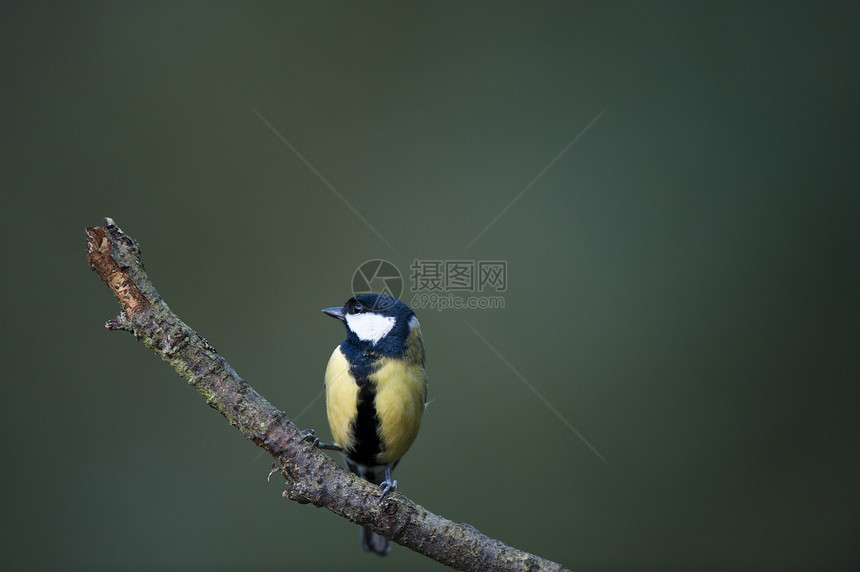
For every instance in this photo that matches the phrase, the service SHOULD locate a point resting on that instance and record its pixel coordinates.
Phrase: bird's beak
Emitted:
(335, 312)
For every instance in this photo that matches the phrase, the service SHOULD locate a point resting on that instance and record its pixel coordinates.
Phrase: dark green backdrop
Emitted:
(682, 281)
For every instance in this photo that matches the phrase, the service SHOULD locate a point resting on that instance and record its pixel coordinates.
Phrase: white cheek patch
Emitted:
(370, 327)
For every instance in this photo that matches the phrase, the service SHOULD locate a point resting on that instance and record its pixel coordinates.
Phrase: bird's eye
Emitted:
(357, 309)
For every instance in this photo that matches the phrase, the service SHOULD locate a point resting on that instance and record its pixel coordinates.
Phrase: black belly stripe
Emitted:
(366, 423)
(364, 426)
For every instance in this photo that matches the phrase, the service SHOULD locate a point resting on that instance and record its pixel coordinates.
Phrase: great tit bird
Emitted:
(376, 390)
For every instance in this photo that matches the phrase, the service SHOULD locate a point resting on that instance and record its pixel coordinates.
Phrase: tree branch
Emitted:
(312, 477)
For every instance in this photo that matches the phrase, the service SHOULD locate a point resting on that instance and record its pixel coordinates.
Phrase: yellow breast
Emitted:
(400, 393)
(399, 389)
(341, 399)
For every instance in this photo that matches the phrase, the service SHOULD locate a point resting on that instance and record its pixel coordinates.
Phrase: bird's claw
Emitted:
(387, 486)
(309, 435)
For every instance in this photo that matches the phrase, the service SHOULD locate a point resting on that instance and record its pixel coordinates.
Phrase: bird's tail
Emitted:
(370, 541)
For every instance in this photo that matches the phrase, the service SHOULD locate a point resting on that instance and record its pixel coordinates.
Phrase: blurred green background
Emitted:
(682, 282)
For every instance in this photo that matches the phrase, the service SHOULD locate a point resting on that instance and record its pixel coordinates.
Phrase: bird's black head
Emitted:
(379, 321)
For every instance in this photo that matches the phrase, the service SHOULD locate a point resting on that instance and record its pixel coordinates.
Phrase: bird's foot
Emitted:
(386, 487)
(309, 435)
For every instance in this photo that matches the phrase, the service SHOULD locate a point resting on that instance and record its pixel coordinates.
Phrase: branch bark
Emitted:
(312, 477)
